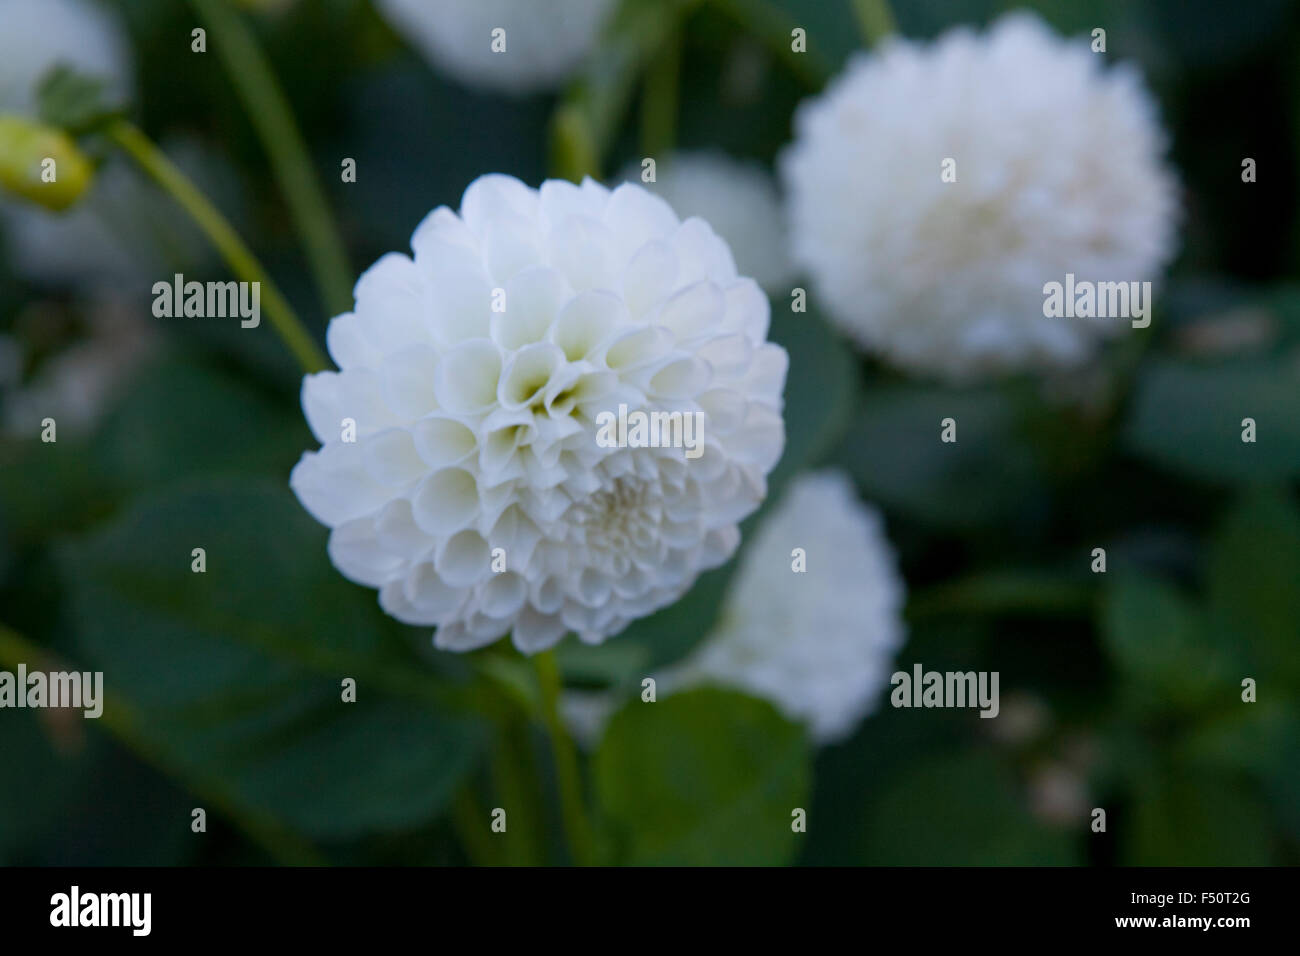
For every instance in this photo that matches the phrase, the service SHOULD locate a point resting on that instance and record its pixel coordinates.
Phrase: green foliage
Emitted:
(702, 777)
(237, 671)
(960, 810)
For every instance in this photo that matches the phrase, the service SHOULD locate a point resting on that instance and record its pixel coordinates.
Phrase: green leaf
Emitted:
(988, 476)
(237, 671)
(74, 101)
(1188, 417)
(184, 420)
(704, 777)
(1254, 587)
(961, 811)
(821, 390)
(1157, 639)
(1201, 820)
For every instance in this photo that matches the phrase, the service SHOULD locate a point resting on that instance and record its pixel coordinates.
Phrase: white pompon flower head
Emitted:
(539, 46)
(466, 468)
(818, 642)
(1057, 167)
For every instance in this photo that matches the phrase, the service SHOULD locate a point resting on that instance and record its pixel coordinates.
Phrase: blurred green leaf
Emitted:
(1158, 640)
(237, 671)
(704, 777)
(1254, 587)
(821, 390)
(988, 476)
(1187, 417)
(962, 810)
(183, 420)
(75, 101)
(1202, 820)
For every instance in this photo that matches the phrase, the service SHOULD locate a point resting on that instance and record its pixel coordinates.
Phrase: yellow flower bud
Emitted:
(41, 163)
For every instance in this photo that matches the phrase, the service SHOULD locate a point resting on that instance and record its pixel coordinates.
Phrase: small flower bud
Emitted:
(42, 164)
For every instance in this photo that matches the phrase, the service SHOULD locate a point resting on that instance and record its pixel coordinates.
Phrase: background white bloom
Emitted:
(818, 644)
(38, 35)
(477, 428)
(1059, 170)
(740, 201)
(76, 385)
(545, 42)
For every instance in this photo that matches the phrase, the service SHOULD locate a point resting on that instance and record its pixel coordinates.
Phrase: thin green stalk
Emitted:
(269, 111)
(581, 845)
(471, 823)
(124, 723)
(660, 96)
(771, 25)
(513, 770)
(222, 235)
(876, 20)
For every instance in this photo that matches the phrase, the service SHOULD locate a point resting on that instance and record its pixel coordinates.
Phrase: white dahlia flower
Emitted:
(1059, 170)
(820, 643)
(480, 493)
(37, 35)
(738, 199)
(543, 42)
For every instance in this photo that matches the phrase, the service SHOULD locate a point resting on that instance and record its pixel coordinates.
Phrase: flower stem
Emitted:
(876, 20)
(566, 762)
(660, 96)
(771, 26)
(269, 111)
(222, 235)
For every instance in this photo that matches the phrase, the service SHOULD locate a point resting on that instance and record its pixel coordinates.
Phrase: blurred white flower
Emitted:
(76, 385)
(818, 644)
(738, 199)
(475, 373)
(1059, 169)
(544, 42)
(38, 35)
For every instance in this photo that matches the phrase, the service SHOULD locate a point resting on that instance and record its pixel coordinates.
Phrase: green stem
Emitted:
(771, 26)
(566, 762)
(124, 723)
(222, 235)
(269, 111)
(659, 98)
(471, 823)
(876, 20)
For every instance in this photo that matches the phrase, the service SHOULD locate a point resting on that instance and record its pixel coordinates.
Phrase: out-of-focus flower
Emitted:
(41, 34)
(28, 150)
(541, 46)
(479, 375)
(738, 199)
(76, 385)
(1058, 170)
(819, 643)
